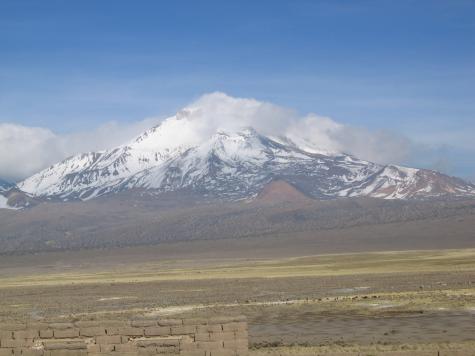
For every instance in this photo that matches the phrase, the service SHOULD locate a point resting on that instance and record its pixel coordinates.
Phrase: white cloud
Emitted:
(220, 111)
(26, 150)
(316, 133)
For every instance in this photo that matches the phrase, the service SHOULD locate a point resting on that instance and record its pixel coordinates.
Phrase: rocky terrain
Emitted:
(130, 218)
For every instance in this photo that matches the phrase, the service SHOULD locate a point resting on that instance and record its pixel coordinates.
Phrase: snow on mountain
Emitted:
(5, 191)
(95, 173)
(4, 202)
(395, 182)
(4, 185)
(231, 164)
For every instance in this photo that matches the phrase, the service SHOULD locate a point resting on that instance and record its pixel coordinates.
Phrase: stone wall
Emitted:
(193, 337)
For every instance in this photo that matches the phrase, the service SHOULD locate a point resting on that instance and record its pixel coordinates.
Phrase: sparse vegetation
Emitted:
(368, 302)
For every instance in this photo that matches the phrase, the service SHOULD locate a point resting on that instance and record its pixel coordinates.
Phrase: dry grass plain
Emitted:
(354, 302)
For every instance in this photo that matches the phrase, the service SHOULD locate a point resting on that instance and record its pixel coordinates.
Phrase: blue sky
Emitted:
(403, 66)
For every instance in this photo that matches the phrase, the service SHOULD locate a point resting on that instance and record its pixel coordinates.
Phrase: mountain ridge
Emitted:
(5, 185)
(231, 165)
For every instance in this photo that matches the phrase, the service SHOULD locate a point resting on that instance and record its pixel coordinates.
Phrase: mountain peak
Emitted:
(182, 153)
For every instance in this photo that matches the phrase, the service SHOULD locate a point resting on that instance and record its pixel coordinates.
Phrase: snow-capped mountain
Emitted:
(5, 187)
(231, 165)
(13, 198)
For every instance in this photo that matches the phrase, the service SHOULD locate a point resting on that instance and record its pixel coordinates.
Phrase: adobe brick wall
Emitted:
(193, 337)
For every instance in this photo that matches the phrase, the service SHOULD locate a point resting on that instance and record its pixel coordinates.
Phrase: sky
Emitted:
(84, 75)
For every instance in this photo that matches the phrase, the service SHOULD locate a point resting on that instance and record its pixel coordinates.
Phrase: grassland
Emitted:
(311, 266)
(407, 300)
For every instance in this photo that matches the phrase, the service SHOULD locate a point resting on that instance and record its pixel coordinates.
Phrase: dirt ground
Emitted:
(360, 302)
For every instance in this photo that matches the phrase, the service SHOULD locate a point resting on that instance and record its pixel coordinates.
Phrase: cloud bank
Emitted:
(315, 133)
(26, 150)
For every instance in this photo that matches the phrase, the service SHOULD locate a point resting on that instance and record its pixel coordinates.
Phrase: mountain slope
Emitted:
(4, 185)
(230, 165)
(128, 219)
(4, 188)
(279, 191)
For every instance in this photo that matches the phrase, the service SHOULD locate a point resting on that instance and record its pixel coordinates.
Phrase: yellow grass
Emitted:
(312, 266)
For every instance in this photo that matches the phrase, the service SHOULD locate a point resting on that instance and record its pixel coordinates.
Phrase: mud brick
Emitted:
(209, 345)
(169, 350)
(6, 352)
(235, 326)
(109, 339)
(14, 343)
(143, 323)
(157, 331)
(5, 334)
(36, 325)
(236, 344)
(125, 330)
(31, 352)
(170, 322)
(209, 328)
(224, 352)
(72, 344)
(202, 336)
(125, 348)
(25, 334)
(107, 348)
(245, 352)
(227, 335)
(66, 333)
(13, 326)
(126, 339)
(93, 331)
(183, 330)
(227, 320)
(66, 353)
(46, 333)
(242, 334)
(147, 351)
(196, 353)
(187, 340)
(188, 346)
(93, 348)
(158, 342)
